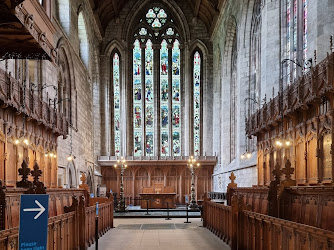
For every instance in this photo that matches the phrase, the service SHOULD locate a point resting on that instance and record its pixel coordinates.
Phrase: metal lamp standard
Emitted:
(121, 203)
(192, 165)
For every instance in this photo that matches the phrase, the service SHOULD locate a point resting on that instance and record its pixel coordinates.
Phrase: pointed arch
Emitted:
(180, 19)
(66, 95)
(83, 38)
(72, 175)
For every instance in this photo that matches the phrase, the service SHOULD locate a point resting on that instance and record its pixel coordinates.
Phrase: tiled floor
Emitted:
(193, 237)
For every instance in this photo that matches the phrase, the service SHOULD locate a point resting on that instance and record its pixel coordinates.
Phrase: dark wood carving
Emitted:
(2, 207)
(24, 171)
(308, 118)
(37, 187)
(73, 207)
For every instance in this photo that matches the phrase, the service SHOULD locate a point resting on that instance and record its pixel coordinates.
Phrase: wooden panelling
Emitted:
(243, 229)
(313, 206)
(138, 178)
(58, 199)
(64, 231)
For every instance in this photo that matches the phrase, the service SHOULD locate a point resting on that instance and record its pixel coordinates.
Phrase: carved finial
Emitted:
(84, 185)
(232, 177)
(331, 44)
(36, 173)
(83, 178)
(315, 57)
(232, 184)
(288, 170)
(273, 92)
(24, 171)
(277, 172)
(37, 187)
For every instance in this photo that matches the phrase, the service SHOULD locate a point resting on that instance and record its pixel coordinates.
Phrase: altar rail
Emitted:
(243, 229)
(70, 230)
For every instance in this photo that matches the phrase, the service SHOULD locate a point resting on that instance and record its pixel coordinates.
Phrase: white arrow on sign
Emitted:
(41, 210)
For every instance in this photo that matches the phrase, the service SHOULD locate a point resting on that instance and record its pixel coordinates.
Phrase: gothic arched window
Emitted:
(149, 98)
(296, 35)
(159, 133)
(116, 103)
(255, 74)
(176, 101)
(197, 103)
(233, 100)
(83, 39)
(137, 103)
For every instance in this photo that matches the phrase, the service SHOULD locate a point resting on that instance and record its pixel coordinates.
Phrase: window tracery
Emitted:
(296, 36)
(157, 30)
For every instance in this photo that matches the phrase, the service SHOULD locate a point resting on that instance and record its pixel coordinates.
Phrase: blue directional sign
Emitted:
(34, 213)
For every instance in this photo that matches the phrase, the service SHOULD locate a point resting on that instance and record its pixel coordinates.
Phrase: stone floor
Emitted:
(156, 234)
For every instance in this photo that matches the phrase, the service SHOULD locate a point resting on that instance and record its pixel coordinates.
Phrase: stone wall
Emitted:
(273, 45)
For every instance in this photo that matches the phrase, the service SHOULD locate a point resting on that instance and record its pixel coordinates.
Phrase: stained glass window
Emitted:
(288, 47)
(164, 98)
(145, 104)
(176, 104)
(149, 98)
(295, 37)
(143, 32)
(137, 101)
(197, 102)
(156, 17)
(117, 111)
(305, 30)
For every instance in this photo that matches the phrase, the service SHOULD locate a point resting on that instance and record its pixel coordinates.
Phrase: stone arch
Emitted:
(83, 38)
(137, 8)
(198, 45)
(72, 178)
(66, 95)
(91, 179)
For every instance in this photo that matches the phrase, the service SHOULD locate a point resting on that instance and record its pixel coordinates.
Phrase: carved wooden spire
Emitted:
(24, 171)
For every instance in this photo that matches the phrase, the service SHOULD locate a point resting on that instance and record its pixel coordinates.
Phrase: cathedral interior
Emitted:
(222, 106)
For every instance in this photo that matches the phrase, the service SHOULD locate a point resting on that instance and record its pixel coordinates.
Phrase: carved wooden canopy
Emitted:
(20, 36)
